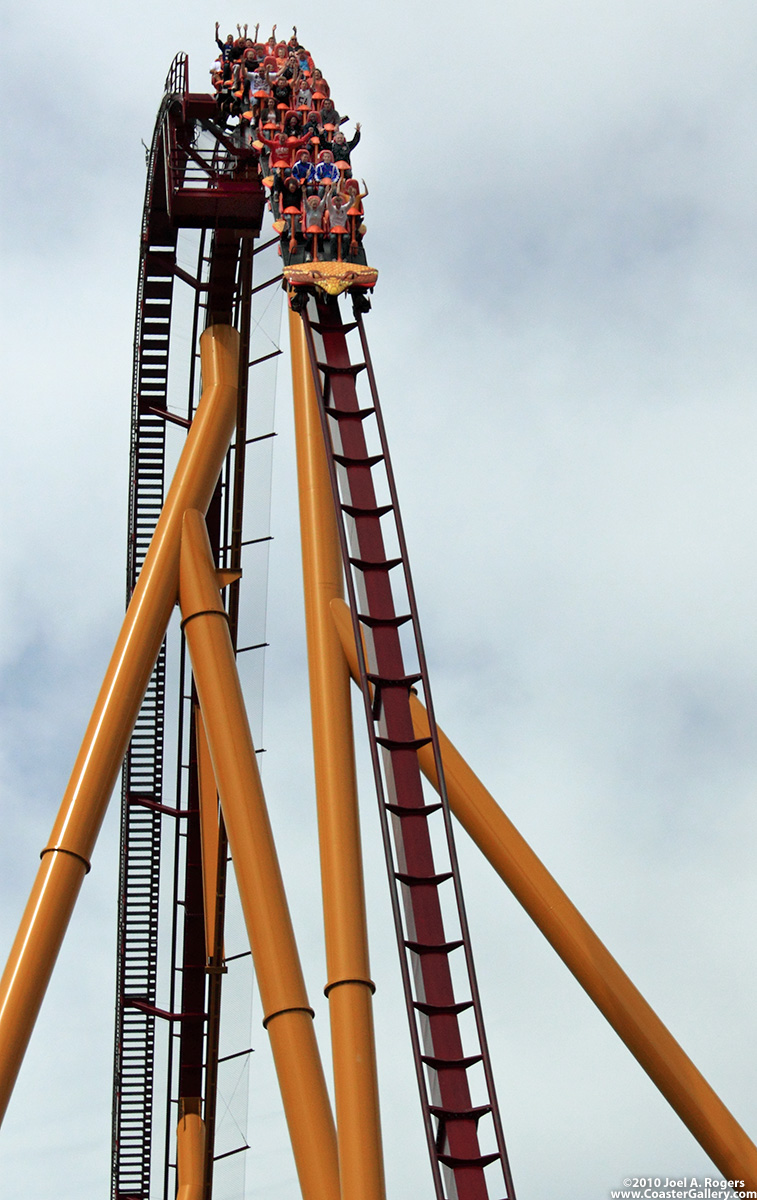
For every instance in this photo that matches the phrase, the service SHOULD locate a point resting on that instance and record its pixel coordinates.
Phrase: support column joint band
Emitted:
(340, 982)
(73, 853)
(280, 1012)
(206, 612)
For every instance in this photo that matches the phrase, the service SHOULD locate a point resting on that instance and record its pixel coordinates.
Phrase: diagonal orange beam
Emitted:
(287, 1014)
(65, 859)
(632, 1018)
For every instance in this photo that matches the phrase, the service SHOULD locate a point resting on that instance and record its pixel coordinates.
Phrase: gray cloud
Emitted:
(561, 212)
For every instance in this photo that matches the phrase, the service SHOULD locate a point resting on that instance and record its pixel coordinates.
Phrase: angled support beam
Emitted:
(349, 987)
(288, 1016)
(209, 830)
(636, 1023)
(65, 859)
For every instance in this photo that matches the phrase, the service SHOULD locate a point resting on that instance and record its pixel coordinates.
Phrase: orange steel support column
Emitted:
(673, 1072)
(349, 987)
(288, 1016)
(65, 860)
(190, 1152)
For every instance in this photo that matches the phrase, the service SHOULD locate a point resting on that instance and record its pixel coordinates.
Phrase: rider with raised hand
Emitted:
(270, 46)
(342, 148)
(227, 47)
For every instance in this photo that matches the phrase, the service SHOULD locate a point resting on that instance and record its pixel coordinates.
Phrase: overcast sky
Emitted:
(562, 214)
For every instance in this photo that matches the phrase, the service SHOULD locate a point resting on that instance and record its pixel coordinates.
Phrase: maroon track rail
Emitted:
(142, 780)
(461, 1116)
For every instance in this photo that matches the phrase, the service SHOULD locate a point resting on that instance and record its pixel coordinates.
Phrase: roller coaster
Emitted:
(171, 718)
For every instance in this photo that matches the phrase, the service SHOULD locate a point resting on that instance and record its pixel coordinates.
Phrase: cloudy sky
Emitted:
(561, 211)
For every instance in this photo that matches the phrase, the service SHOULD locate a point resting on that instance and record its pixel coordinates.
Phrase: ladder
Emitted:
(142, 780)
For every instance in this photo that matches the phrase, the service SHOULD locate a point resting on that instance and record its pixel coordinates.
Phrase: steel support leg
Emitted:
(651, 1043)
(349, 986)
(190, 1152)
(65, 860)
(287, 1013)
(209, 830)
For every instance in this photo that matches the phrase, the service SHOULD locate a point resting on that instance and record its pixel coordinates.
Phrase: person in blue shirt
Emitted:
(303, 169)
(326, 173)
(227, 47)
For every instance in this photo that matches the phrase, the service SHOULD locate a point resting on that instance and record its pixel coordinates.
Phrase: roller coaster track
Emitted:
(185, 187)
(203, 177)
(188, 185)
(142, 782)
(431, 927)
(184, 184)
